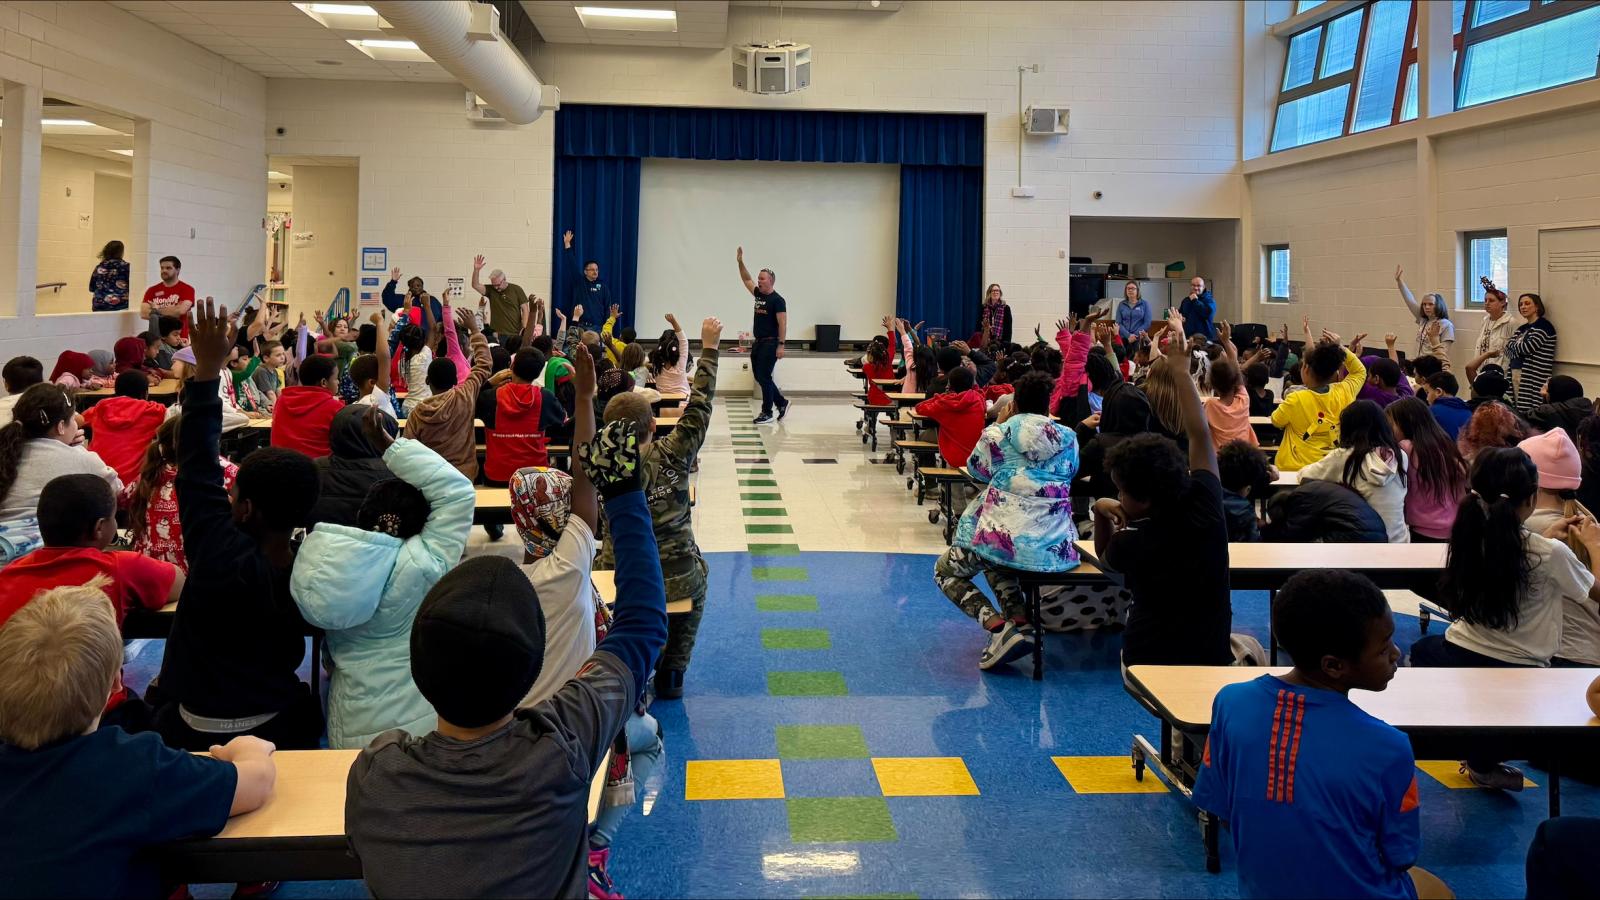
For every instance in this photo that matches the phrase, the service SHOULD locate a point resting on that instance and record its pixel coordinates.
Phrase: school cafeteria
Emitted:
(1184, 439)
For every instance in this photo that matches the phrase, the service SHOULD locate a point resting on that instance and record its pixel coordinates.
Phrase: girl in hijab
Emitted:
(75, 371)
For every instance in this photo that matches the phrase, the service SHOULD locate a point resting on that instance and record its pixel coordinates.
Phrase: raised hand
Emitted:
(711, 331)
(464, 320)
(1355, 343)
(566, 239)
(1224, 331)
(918, 326)
(1329, 337)
(1069, 323)
(673, 321)
(477, 262)
(394, 274)
(211, 338)
(886, 323)
(616, 311)
(739, 254)
(577, 313)
(1399, 274)
(1434, 327)
(1177, 346)
(583, 379)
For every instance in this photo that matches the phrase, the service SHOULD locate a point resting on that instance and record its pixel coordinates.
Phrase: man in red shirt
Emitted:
(169, 296)
(78, 520)
(124, 425)
(959, 413)
(302, 419)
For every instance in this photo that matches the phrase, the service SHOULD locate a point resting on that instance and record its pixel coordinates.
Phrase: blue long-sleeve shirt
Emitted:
(394, 301)
(639, 618)
(594, 296)
(1198, 315)
(1132, 319)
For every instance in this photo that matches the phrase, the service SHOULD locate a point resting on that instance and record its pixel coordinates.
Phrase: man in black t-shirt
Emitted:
(1167, 534)
(771, 329)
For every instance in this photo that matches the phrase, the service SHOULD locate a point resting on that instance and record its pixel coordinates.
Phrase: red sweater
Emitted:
(517, 438)
(123, 429)
(876, 395)
(960, 420)
(303, 419)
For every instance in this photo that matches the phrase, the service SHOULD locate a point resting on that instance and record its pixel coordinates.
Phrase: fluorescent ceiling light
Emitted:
(620, 13)
(278, 176)
(385, 44)
(123, 152)
(74, 123)
(342, 9)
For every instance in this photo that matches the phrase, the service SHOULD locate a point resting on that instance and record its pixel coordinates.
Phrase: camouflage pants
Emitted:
(681, 631)
(953, 573)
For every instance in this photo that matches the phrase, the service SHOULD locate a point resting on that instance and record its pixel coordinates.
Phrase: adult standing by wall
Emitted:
(1435, 331)
(108, 286)
(1498, 327)
(994, 319)
(770, 330)
(1133, 313)
(393, 301)
(588, 292)
(1532, 352)
(1199, 309)
(505, 300)
(169, 297)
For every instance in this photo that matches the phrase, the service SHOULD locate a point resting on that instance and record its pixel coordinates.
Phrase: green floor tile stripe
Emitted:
(768, 529)
(778, 573)
(786, 603)
(830, 820)
(757, 482)
(773, 550)
(760, 497)
(821, 742)
(755, 470)
(768, 511)
(806, 684)
(796, 639)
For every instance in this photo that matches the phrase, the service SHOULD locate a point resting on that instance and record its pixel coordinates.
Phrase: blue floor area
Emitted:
(908, 660)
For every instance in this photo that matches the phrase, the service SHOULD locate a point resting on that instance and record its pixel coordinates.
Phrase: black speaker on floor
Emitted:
(826, 340)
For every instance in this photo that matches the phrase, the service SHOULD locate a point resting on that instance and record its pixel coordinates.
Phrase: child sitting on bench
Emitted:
(959, 413)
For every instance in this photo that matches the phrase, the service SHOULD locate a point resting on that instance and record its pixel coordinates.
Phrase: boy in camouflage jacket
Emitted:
(665, 466)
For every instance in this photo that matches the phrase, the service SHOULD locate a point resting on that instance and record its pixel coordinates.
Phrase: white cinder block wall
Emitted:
(198, 165)
(1153, 87)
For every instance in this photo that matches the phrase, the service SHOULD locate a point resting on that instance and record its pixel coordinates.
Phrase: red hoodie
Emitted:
(517, 438)
(123, 429)
(303, 419)
(876, 395)
(960, 420)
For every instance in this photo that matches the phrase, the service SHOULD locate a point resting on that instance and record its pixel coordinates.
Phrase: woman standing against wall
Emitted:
(994, 320)
(1435, 331)
(1497, 329)
(1532, 352)
(109, 283)
(1133, 313)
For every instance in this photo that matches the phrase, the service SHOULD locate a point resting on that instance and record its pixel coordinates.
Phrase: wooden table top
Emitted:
(885, 382)
(308, 797)
(266, 424)
(1512, 699)
(1358, 557)
(1287, 479)
(904, 397)
(1260, 420)
(673, 398)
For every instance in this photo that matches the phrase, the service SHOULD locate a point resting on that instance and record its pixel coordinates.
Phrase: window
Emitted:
(1277, 272)
(1487, 254)
(1386, 49)
(1314, 104)
(1513, 47)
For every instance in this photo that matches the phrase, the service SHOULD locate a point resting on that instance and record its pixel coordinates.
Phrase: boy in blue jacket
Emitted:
(495, 801)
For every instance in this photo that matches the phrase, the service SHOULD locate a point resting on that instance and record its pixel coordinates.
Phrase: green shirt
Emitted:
(505, 308)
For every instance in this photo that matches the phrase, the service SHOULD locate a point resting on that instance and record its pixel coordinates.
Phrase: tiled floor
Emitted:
(837, 738)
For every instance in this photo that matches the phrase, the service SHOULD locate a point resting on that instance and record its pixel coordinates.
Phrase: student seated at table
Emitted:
(670, 359)
(1320, 797)
(362, 585)
(352, 467)
(1167, 532)
(124, 425)
(666, 464)
(1228, 410)
(1560, 475)
(1246, 476)
(237, 638)
(1506, 585)
(477, 646)
(1020, 520)
(1436, 475)
(1564, 406)
(1384, 379)
(42, 442)
(1310, 418)
(1370, 462)
(959, 413)
(370, 374)
(879, 365)
(525, 412)
(79, 805)
(444, 421)
(19, 374)
(1450, 411)
(78, 521)
(1262, 400)
(304, 415)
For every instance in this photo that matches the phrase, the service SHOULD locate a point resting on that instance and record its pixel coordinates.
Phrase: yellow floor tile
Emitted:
(1448, 773)
(733, 779)
(924, 776)
(1106, 775)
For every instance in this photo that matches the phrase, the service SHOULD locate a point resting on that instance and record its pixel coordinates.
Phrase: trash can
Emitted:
(826, 340)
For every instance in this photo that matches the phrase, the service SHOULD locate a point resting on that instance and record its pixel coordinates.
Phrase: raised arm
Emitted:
(1405, 294)
(585, 503)
(450, 496)
(744, 274)
(452, 344)
(477, 271)
(685, 440)
(1225, 338)
(1202, 453)
(392, 300)
(381, 350)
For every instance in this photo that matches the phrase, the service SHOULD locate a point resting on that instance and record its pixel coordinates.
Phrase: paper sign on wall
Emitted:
(374, 259)
(453, 286)
(304, 239)
(369, 282)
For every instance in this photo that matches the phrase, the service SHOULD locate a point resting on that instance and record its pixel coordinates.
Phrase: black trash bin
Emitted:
(827, 339)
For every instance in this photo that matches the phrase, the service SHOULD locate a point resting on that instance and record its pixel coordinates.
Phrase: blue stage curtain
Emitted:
(598, 198)
(787, 135)
(941, 247)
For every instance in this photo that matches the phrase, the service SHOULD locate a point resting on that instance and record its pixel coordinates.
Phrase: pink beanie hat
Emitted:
(1560, 468)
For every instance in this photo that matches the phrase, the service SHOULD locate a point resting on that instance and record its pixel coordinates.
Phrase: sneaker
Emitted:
(669, 684)
(1009, 644)
(765, 419)
(1500, 778)
(600, 886)
(783, 410)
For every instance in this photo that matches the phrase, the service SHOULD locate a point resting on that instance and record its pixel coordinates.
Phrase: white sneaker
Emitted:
(1500, 778)
(1009, 644)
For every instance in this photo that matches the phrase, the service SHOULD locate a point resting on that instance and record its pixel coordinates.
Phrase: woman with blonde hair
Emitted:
(994, 323)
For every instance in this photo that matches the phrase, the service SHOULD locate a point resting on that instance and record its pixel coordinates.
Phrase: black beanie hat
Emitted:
(477, 644)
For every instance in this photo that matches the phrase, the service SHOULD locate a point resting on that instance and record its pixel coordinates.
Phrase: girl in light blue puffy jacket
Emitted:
(363, 585)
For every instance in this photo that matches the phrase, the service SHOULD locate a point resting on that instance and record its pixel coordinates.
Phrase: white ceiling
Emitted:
(274, 38)
(106, 134)
(701, 23)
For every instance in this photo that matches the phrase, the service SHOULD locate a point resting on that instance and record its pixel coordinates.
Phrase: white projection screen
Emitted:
(829, 230)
